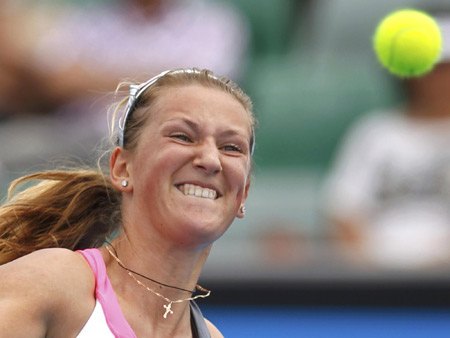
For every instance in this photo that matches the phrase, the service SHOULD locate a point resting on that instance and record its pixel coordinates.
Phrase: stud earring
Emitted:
(124, 183)
(243, 209)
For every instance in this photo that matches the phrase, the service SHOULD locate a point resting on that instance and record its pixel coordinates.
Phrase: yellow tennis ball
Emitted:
(408, 42)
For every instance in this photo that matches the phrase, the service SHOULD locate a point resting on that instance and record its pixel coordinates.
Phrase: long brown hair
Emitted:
(80, 208)
(68, 209)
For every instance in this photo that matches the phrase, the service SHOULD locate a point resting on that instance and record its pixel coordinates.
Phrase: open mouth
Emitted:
(198, 191)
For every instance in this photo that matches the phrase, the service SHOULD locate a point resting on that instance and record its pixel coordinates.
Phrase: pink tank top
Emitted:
(106, 302)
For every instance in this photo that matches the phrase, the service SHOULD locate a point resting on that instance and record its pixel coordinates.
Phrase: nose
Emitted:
(207, 158)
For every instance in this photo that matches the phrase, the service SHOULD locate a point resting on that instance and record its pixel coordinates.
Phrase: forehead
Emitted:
(199, 101)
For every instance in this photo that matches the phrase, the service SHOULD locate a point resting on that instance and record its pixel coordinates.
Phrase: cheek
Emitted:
(163, 166)
(157, 161)
(238, 175)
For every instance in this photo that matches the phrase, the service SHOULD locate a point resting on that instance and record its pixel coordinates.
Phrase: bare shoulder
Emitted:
(213, 330)
(37, 289)
(51, 267)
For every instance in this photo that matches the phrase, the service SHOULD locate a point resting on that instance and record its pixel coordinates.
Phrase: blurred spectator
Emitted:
(389, 192)
(57, 62)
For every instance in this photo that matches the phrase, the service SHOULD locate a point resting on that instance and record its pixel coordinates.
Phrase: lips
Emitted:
(198, 191)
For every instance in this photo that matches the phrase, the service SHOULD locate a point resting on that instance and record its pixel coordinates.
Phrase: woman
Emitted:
(179, 176)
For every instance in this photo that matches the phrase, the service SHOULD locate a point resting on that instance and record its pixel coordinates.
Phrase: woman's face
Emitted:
(190, 170)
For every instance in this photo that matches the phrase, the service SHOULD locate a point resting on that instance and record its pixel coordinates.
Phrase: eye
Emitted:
(232, 147)
(181, 136)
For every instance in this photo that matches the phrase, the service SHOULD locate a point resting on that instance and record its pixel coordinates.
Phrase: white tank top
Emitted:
(96, 326)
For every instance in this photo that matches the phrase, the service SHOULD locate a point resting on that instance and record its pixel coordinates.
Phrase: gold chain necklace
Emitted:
(168, 307)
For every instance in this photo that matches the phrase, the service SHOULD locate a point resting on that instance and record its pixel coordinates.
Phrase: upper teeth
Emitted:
(195, 190)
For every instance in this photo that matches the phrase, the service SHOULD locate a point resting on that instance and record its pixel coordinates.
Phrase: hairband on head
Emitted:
(135, 92)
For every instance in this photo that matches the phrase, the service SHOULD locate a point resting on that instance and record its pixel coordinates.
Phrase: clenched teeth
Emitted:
(195, 190)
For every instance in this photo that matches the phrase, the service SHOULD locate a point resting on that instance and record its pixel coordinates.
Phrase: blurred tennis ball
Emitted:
(408, 42)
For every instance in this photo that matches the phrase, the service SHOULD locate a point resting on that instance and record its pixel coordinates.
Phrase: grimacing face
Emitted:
(189, 172)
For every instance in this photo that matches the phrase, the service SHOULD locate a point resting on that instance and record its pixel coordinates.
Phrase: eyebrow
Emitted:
(193, 125)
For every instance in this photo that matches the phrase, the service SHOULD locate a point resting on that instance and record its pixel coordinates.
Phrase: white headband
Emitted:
(135, 92)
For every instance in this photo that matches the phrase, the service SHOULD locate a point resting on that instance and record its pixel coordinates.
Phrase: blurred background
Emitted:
(347, 229)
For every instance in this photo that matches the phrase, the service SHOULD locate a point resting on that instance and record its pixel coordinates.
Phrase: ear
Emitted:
(118, 165)
(240, 213)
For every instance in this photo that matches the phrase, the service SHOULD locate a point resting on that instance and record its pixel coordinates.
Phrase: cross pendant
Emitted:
(168, 310)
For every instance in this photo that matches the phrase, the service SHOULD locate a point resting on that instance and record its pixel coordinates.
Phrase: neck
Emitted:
(160, 259)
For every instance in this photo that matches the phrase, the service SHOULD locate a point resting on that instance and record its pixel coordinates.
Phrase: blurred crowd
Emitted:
(60, 62)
